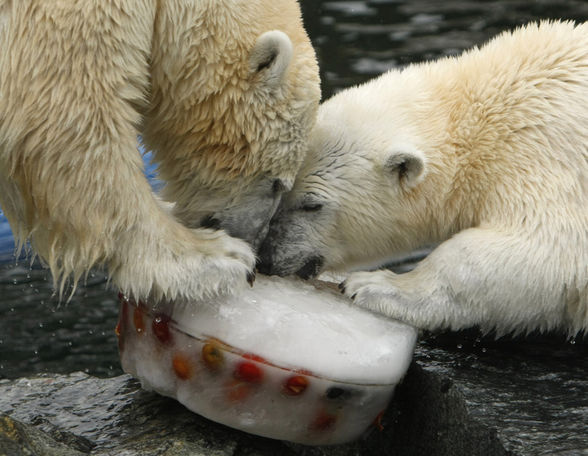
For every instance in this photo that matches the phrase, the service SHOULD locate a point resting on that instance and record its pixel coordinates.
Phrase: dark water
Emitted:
(355, 40)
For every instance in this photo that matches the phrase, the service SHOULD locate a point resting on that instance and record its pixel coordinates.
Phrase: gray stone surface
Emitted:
(78, 414)
(533, 389)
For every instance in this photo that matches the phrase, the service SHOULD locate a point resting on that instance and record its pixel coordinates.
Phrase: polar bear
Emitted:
(224, 92)
(484, 155)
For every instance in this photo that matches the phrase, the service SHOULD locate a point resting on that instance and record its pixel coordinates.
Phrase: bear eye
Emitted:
(210, 222)
(312, 207)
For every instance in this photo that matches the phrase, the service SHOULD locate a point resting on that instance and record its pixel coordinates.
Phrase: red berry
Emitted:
(378, 421)
(160, 328)
(123, 316)
(254, 357)
(323, 421)
(304, 372)
(295, 386)
(138, 320)
(248, 372)
(121, 325)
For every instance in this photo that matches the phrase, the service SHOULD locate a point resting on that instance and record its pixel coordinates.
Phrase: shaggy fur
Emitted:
(224, 93)
(485, 154)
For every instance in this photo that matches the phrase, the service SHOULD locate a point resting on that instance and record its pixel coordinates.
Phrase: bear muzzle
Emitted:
(309, 269)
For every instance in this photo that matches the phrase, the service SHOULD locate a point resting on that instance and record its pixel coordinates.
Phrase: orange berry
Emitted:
(212, 356)
(238, 391)
(182, 366)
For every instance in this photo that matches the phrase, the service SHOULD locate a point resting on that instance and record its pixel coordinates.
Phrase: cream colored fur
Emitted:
(224, 93)
(485, 154)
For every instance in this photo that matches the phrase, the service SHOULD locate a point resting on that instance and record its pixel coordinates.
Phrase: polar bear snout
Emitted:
(274, 260)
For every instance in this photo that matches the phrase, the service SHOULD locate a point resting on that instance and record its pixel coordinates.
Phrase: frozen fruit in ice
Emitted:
(161, 328)
(121, 325)
(247, 371)
(212, 356)
(323, 421)
(183, 367)
(138, 320)
(295, 386)
(254, 357)
(378, 421)
(320, 378)
(238, 391)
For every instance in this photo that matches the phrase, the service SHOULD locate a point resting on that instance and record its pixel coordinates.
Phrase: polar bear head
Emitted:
(366, 188)
(241, 105)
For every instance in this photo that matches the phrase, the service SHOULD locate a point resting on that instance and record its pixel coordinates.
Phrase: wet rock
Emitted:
(532, 389)
(20, 439)
(79, 414)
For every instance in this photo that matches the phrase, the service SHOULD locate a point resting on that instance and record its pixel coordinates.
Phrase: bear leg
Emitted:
(74, 81)
(481, 277)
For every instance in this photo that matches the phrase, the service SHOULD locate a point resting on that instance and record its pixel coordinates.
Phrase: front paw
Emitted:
(194, 266)
(378, 292)
(227, 268)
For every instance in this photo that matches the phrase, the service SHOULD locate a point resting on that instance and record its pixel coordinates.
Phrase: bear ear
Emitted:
(270, 57)
(407, 164)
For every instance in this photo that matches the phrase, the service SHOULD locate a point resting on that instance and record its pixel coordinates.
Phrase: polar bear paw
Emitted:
(230, 266)
(378, 292)
(205, 265)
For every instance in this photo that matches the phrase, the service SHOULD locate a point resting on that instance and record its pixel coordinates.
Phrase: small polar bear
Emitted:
(485, 155)
(223, 92)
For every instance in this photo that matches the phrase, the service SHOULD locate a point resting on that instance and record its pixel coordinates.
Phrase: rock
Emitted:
(77, 414)
(531, 388)
(18, 439)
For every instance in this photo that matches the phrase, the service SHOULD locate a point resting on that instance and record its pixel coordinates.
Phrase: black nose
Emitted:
(311, 268)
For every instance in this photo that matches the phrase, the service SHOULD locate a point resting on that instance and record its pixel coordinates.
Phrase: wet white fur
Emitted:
(224, 93)
(498, 139)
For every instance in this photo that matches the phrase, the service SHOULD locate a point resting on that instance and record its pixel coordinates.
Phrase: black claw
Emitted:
(341, 287)
(251, 277)
(353, 296)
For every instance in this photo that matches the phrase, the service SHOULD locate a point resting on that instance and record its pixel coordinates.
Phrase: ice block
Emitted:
(284, 359)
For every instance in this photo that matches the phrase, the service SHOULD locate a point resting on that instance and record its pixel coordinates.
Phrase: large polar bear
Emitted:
(224, 92)
(486, 154)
